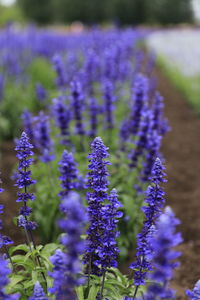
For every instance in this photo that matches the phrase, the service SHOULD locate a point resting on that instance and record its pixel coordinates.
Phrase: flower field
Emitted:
(89, 169)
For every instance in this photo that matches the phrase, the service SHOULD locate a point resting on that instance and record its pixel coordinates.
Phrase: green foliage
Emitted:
(26, 269)
(188, 86)
(10, 14)
(22, 95)
(122, 11)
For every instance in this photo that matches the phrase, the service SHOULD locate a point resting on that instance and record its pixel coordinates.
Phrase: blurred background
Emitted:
(119, 12)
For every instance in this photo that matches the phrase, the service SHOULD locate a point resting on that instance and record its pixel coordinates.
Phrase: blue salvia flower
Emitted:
(159, 122)
(109, 99)
(66, 265)
(124, 132)
(93, 111)
(69, 173)
(98, 183)
(77, 105)
(62, 116)
(152, 151)
(40, 91)
(164, 256)
(4, 240)
(195, 293)
(140, 98)
(141, 143)
(58, 65)
(4, 272)
(24, 180)
(42, 138)
(27, 119)
(155, 202)
(108, 251)
(38, 293)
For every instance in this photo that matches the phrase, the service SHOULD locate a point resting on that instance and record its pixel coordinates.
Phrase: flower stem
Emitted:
(102, 285)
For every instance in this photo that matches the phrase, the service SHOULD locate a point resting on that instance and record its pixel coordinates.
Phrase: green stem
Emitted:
(102, 285)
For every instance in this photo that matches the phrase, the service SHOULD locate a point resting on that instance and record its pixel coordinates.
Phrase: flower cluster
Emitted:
(66, 264)
(38, 293)
(42, 138)
(155, 202)
(77, 105)
(163, 256)
(62, 117)
(98, 183)
(24, 180)
(69, 173)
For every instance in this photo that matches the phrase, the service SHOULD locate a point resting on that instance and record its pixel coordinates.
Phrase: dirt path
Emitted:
(181, 149)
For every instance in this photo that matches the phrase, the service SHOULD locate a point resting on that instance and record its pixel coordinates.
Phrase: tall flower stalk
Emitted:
(155, 202)
(98, 184)
(66, 264)
(163, 256)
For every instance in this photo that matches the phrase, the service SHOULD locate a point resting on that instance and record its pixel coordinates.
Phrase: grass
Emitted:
(188, 86)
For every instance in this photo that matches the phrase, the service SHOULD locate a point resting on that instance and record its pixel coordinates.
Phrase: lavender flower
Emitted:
(98, 183)
(164, 256)
(62, 117)
(195, 293)
(140, 93)
(69, 173)
(141, 144)
(66, 264)
(109, 99)
(42, 138)
(4, 240)
(94, 110)
(58, 65)
(24, 180)
(38, 293)
(27, 119)
(4, 272)
(77, 105)
(159, 122)
(41, 93)
(155, 201)
(108, 251)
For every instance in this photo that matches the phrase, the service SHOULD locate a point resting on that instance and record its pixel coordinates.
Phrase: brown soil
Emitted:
(181, 149)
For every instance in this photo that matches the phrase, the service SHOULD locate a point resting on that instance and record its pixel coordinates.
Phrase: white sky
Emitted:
(196, 5)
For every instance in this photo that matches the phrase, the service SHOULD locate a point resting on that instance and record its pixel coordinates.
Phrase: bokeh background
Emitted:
(120, 12)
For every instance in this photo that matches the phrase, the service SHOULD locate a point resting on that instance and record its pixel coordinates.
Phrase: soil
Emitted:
(181, 149)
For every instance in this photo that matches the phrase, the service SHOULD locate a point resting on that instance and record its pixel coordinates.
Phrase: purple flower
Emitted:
(4, 240)
(77, 105)
(155, 202)
(62, 117)
(4, 272)
(58, 65)
(109, 99)
(28, 120)
(140, 97)
(66, 264)
(38, 293)
(94, 111)
(195, 293)
(159, 122)
(141, 143)
(24, 180)
(41, 93)
(108, 250)
(164, 256)
(42, 138)
(98, 183)
(69, 173)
